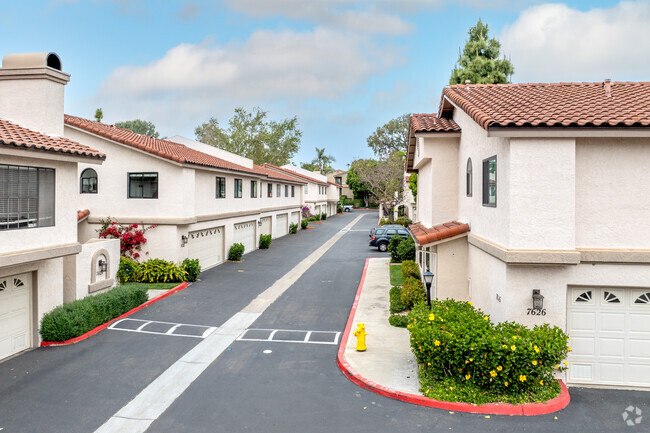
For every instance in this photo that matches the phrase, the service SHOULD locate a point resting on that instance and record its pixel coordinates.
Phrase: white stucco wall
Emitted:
(36, 104)
(451, 269)
(612, 193)
(65, 229)
(488, 222)
(541, 200)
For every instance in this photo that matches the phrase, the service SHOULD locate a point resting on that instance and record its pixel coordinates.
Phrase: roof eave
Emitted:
(568, 131)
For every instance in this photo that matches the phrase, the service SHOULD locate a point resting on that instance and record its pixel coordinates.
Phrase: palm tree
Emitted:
(322, 161)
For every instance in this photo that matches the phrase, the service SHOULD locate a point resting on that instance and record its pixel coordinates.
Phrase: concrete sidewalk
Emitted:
(388, 361)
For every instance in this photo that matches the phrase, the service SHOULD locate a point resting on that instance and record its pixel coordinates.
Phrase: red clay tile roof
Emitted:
(293, 173)
(163, 148)
(274, 174)
(17, 136)
(432, 123)
(448, 230)
(81, 214)
(553, 105)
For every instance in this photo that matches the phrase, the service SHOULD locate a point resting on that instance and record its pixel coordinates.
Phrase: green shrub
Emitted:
(192, 269)
(339, 208)
(160, 271)
(127, 270)
(265, 242)
(406, 249)
(304, 224)
(454, 343)
(410, 269)
(384, 221)
(412, 292)
(398, 320)
(76, 318)
(405, 221)
(323, 216)
(396, 305)
(394, 242)
(293, 228)
(236, 251)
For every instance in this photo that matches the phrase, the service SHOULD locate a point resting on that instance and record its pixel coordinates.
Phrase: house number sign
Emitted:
(536, 312)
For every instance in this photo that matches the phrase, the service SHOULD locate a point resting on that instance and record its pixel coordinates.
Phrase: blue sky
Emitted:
(343, 67)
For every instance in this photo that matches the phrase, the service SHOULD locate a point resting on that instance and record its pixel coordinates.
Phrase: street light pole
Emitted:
(428, 279)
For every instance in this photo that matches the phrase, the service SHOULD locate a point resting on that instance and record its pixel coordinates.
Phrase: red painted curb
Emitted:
(105, 325)
(528, 409)
(309, 228)
(318, 222)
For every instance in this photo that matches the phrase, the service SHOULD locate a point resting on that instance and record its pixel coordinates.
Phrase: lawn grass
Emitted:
(152, 286)
(396, 275)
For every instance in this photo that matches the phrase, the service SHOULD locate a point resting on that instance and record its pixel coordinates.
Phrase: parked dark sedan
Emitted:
(380, 236)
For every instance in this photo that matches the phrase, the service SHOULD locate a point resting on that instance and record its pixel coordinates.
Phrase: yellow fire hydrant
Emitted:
(360, 333)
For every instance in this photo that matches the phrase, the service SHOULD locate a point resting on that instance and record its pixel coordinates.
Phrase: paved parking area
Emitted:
(162, 328)
(290, 336)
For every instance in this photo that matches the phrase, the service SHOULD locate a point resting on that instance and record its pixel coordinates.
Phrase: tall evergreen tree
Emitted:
(479, 61)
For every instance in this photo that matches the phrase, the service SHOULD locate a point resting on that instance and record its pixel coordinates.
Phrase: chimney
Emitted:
(31, 91)
(607, 85)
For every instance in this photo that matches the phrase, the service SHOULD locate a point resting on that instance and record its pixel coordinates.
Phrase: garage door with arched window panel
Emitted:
(15, 314)
(609, 330)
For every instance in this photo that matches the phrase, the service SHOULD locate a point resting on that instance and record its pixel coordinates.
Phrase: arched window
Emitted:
(469, 177)
(89, 181)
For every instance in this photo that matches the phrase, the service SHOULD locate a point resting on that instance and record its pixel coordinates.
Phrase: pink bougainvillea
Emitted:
(131, 236)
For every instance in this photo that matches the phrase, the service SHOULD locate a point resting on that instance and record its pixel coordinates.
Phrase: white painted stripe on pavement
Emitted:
(146, 407)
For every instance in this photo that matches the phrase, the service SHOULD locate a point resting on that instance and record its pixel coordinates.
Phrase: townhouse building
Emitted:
(532, 204)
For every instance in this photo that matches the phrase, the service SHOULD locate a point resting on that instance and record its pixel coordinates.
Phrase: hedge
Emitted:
(78, 317)
(456, 344)
(157, 271)
(265, 242)
(410, 269)
(236, 251)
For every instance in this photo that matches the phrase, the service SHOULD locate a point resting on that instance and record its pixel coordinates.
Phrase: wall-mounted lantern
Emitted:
(184, 240)
(102, 266)
(538, 300)
(259, 223)
(428, 279)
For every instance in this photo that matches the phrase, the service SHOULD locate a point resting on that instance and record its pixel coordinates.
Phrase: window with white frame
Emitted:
(306, 191)
(286, 190)
(26, 197)
(490, 181)
(269, 190)
(253, 189)
(293, 190)
(279, 190)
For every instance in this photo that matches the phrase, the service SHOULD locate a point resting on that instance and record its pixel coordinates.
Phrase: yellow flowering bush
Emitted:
(454, 344)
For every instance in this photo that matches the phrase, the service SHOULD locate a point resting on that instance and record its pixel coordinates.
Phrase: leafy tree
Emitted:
(139, 127)
(253, 136)
(390, 137)
(359, 188)
(99, 115)
(309, 166)
(413, 185)
(479, 61)
(323, 162)
(384, 179)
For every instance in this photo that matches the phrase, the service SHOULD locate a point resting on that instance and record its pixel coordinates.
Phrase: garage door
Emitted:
(281, 225)
(245, 234)
(15, 317)
(295, 218)
(265, 228)
(207, 246)
(317, 210)
(610, 336)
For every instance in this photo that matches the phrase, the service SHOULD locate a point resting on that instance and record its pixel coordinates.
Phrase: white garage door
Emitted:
(245, 234)
(207, 246)
(15, 314)
(295, 218)
(610, 336)
(265, 229)
(282, 222)
(317, 210)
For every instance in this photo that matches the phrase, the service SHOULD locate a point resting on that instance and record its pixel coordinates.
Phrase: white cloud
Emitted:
(350, 15)
(553, 42)
(193, 81)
